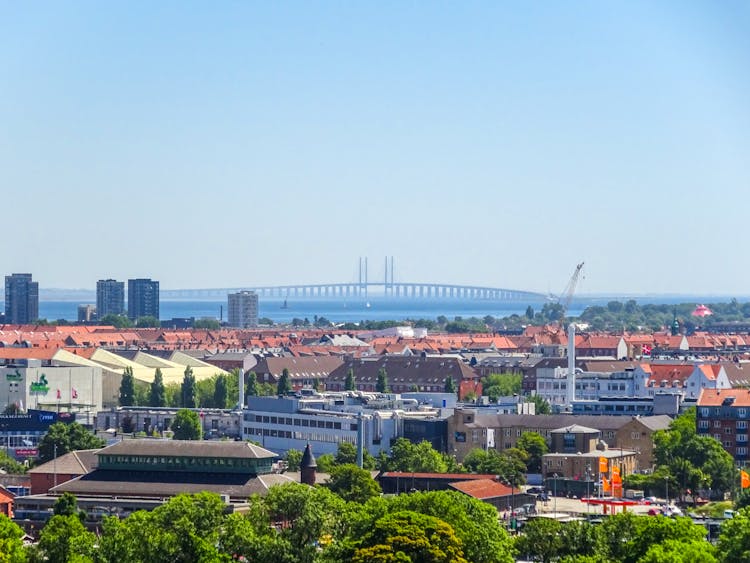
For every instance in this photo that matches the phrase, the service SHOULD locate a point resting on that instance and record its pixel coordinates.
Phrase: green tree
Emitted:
(352, 483)
(509, 465)
(62, 438)
(541, 405)
(117, 321)
(221, 392)
(293, 459)
(627, 537)
(187, 425)
(541, 540)
(11, 542)
(64, 538)
(675, 551)
(127, 388)
(284, 386)
(207, 324)
(10, 465)
(347, 453)
(382, 384)
(157, 396)
(252, 385)
(349, 383)
(417, 458)
(734, 541)
(410, 536)
(188, 391)
(450, 385)
(695, 461)
(307, 514)
(66, 505)
(498, 385)
(147, 322)
(535, 446)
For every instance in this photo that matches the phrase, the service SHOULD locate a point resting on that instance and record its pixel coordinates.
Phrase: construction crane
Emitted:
(566, 297)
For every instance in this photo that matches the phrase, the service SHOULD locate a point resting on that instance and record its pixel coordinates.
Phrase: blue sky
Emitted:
(496, 143)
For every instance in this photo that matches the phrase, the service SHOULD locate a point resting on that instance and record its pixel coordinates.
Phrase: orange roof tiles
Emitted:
(482, 488)
(716, 397)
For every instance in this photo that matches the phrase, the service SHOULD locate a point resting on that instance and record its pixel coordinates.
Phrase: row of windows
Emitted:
(716, 411)
(740, 425)
(297, 435)
(179, 461)
(302, 422)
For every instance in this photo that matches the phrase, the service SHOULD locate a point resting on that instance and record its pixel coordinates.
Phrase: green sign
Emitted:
(41, 387)
(14, 376)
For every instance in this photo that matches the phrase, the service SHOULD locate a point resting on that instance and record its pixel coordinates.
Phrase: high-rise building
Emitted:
(86, 313)
(21, 299)
(143, 298)
(110, 298)
(243, 309)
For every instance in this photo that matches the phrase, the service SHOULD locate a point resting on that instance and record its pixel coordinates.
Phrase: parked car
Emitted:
(535, 490)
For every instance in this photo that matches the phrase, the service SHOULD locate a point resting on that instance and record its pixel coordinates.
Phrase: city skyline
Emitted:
(485, 144)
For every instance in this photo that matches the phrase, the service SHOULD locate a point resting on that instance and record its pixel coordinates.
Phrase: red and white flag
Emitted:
(58, 394)
(73, 393)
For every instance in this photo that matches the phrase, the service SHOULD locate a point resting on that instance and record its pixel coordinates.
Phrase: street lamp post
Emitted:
(554, 476)
(588, 488)
(666, 485)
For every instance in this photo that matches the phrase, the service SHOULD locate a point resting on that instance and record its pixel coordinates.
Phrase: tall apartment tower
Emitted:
(143, 298)
(110, 298)
(243, 309)
(21, 299)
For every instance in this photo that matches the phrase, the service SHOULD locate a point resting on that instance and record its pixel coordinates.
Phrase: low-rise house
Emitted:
(64, 468)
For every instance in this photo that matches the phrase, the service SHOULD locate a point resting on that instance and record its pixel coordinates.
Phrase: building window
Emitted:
(742, 424)
(742, 413)
(717, 423)
(703, 424)
(635, 435)
(742, 437)
(741, 451)
(727, 430)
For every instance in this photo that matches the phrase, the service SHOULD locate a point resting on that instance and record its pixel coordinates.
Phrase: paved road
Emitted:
(575, 506)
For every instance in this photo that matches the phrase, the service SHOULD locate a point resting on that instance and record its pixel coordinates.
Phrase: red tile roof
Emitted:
(483, 488)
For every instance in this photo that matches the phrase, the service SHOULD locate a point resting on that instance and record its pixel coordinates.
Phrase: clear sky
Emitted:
(220, 144)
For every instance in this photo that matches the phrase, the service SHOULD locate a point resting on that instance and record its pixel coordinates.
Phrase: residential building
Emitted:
(143, 298)
(406, 373)
(21, 299)
(637, 435)
(470, 428)
(110, 298)
(303, 371)
(724, 414)
(243, 309)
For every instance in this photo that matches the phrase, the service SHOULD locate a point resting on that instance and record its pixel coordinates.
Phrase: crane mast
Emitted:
(566, 297)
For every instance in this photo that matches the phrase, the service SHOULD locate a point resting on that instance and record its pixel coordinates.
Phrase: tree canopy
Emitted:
(157, 396)
(62, 438)
(127, 388)
(187, 425)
